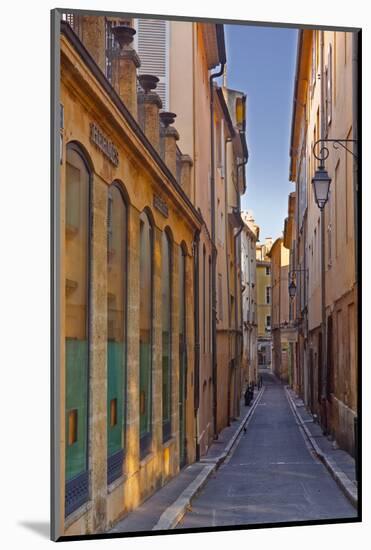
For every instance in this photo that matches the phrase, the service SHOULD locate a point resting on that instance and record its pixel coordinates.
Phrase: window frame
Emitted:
(116, 460)
(167, 425)
(80, 484)
(145, 441)
(268, 295)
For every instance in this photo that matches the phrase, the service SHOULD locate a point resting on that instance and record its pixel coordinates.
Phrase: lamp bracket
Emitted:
(324, 152)
(293, 272)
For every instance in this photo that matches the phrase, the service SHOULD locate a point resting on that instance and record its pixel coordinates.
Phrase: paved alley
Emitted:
(271, 476)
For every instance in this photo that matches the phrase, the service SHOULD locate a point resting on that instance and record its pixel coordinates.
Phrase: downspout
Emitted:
(196, 268)
(213, 251)
(323, 266)
(195, 157)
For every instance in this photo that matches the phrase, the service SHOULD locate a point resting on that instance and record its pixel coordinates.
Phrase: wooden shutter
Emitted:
(152, 45)
(329, 86)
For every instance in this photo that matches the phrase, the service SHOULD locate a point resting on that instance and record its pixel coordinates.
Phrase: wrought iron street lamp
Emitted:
(292, 277)
(292, 290)
(321, 185)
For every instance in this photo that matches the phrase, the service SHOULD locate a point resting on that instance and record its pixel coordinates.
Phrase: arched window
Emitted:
(166, 304)
(145, 333)
(182, 357)
(116, 330)
(77, 225)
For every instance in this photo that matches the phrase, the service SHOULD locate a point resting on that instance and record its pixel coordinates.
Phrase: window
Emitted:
(116, 330)
(329, 246)
(314, 63)
(182, 357)
(220, 297)
(329, 86)
(152, 44)
(268, 291)
(166, 305)
(268, 322)
(76, 328)
(145, 334)
(267, 271)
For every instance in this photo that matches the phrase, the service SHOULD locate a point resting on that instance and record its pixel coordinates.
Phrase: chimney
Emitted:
(185, 174)
(125, 65)
(170, 136)
(149, 104)
(93, 33)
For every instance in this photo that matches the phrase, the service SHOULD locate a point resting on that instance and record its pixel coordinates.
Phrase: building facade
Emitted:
(249, 237)
(283, 333)
(264, 302)
(294, 275)
(325, 107)
(146, 382)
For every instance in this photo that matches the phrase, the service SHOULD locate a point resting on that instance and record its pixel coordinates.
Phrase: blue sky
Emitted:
(261, 63)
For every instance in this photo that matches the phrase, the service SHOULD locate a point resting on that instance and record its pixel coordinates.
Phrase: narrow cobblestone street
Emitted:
(271, 476)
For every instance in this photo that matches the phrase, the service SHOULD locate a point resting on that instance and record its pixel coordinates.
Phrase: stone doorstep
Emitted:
(175, 512)
(346, 485)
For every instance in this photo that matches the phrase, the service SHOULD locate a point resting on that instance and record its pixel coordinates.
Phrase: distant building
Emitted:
(264, 302)
(289, 239)
(281, 329)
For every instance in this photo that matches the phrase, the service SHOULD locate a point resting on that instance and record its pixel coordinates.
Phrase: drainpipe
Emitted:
(196, 267)
(323, 267)
(213, 252)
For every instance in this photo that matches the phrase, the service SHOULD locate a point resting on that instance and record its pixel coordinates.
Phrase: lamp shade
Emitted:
(321, 185)
(292, 290)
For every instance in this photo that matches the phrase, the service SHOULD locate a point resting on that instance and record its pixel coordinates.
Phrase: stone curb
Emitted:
(170, 518)
(174, 513)
(346, 485)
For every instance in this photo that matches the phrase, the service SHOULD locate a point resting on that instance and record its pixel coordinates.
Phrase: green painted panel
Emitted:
(115, 390)
(145, 389)
(77, 398)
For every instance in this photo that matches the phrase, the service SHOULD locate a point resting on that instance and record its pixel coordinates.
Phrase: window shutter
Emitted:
(329, 86)
(152, 45)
